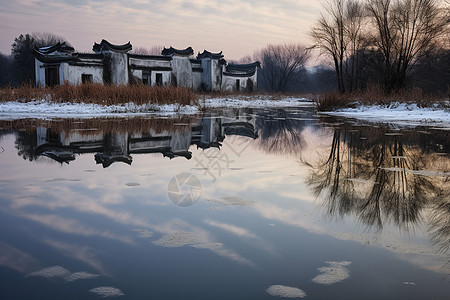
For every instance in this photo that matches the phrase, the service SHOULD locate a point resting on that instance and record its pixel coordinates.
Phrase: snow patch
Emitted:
(285, 291)
(107, 291)
(58, 271)
(43, 109)
(398, 113)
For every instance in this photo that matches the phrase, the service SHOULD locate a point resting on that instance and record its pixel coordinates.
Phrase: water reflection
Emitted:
(382, 176)
(111, 227)
(276, 131)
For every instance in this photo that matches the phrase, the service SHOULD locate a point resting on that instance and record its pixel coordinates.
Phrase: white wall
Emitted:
(229, 83)
(72, 73)
(39, 73)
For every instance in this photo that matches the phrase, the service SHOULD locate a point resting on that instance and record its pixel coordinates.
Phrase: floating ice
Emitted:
(80, 275)
(55, 271)
(58, 271)
(409, 283)
(107, 291)
(336, 271)
(285, 291)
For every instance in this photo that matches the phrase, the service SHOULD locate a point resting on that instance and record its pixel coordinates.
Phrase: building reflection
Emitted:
(112, 144)
(384, 177)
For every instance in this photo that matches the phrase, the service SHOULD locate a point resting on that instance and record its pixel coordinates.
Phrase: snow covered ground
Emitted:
(398, 114)
(46, 110)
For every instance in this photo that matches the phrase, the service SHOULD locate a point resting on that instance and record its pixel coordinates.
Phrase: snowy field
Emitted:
(398, 114)
(47, 110)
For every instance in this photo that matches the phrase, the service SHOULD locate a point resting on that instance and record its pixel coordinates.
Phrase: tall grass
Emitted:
(102, 94)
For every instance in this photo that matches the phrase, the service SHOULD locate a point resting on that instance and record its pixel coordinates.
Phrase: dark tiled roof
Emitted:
(172, 51)
(241, 70)
(105, 45)
(207, 54)
(60, 47)
(46, 58)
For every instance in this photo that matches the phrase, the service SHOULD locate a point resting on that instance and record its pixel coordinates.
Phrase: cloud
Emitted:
(16, 259)
(179, 233)
(73, 226)
(82, 253)
(239, 231)
(222, 25)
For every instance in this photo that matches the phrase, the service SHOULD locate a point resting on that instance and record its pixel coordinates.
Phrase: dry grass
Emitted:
(375, 95)
(102, 94)
(332, 100)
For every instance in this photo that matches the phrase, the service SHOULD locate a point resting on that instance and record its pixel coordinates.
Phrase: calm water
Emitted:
(235, 204)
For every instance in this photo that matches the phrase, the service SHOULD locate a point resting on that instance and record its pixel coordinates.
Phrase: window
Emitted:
(51, 76)
(159, 79)
(238, 85)
(86, 78)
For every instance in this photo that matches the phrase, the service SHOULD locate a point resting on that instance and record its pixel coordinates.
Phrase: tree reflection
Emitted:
(280, 133)
(378, 177)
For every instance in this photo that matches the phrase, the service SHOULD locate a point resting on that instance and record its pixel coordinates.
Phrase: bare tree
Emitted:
(329, 36)
(353, 24)
(155, 50)
(404, 31)
(280, 65)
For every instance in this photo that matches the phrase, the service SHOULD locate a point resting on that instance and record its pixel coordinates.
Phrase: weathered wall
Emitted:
(229, 83)
(149, 63)
(39, 73)
(216, 75)
(72, 74)
(166, 77)
(206, 75)
(182, 71)
(118, 63)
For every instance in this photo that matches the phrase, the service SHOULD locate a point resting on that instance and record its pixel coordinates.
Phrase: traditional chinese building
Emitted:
(114, 64)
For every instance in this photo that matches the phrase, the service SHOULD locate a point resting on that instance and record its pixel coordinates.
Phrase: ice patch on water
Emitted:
(107, 291)
(336, 271)
(50, 272)
(80, 275)
(409, 283)
(285, 291)
(63, 273)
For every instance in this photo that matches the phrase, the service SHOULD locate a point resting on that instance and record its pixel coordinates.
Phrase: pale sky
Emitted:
(235, 27)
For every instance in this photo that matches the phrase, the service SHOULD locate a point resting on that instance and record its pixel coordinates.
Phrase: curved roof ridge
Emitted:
(208, 54)
(183, 52)
(105, 45)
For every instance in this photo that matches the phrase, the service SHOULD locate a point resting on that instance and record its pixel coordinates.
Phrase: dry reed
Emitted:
(102, 94)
